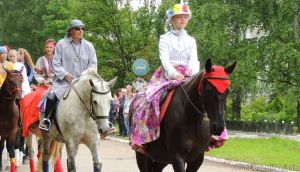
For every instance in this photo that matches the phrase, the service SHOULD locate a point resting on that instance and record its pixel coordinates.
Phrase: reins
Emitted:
(191, 102)
(204, 76)
(93, 112)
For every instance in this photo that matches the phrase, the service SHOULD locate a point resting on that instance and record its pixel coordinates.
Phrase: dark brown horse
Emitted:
(195, 113)
(10, 92)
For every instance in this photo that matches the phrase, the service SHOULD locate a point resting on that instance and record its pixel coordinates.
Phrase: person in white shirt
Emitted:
(179, 59)
(14, 56)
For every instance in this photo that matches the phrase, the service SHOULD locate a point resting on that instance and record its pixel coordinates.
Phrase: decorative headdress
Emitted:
(178, 9)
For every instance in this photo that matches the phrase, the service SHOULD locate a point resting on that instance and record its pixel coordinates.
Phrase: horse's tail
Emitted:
(55, 153)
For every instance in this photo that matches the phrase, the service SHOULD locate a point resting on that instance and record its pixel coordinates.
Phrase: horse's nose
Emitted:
(217, 129)
(100, 130)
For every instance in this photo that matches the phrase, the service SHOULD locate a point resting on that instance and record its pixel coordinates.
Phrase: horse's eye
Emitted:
(95, 102)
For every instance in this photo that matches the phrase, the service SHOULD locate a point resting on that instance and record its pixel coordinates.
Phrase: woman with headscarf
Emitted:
(4, 64)
(43, 71)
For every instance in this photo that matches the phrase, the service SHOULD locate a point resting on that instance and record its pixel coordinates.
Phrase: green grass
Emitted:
(116, 134)
(275, 152)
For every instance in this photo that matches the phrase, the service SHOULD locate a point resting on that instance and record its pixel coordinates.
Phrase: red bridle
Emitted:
(217, 77)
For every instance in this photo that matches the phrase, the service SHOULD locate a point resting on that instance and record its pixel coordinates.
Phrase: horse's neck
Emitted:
(4, 92)
(191, 88)
(84, 87)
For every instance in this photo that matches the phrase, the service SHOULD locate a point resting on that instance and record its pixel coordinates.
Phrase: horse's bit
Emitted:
(93, 112)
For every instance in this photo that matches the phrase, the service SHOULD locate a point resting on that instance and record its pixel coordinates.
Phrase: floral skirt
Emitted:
(145, 123)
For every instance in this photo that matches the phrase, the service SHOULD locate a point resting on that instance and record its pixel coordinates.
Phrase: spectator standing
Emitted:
(128, 99)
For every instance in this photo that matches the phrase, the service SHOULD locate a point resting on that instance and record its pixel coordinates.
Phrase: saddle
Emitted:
(163, 98)
(164, 101)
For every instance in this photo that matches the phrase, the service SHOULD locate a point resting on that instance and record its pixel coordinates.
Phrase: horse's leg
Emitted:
(57, 152)
(46, 153)
(158, 167)
(22, 148)
(17, 148)
(178, 163)
(11, 152)
(2, 140)
(144, 163)
(195, 165)
(28, 141)
(71, 148)
(93, 146)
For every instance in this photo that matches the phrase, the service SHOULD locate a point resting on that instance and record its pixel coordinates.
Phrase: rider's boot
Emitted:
(45, 124)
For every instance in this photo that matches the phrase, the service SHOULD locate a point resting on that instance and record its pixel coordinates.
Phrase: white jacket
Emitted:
(25, 84)
(176, 47)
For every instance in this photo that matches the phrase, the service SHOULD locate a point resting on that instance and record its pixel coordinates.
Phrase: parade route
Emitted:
(117, 156)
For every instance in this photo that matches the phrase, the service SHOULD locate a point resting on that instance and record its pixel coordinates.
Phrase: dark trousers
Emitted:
(51, 108)
(122, 129)
(111, 119)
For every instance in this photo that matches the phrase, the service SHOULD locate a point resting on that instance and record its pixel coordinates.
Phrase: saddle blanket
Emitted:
(29, 108)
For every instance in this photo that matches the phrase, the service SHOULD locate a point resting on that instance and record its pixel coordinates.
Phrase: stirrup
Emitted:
(45, 125)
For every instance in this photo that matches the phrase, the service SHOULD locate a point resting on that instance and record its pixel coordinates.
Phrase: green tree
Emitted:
(19, 23)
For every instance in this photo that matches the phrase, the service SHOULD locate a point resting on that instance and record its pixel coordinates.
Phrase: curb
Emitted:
(234, 164)
(248, 166)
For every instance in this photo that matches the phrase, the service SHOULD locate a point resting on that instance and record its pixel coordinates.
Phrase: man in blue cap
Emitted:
(73, 55)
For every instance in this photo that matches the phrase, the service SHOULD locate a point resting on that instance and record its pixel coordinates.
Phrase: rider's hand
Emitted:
(68, 77)
(179, 77)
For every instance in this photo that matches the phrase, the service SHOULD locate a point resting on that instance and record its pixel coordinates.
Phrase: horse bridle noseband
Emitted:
(204, 114)
(93, 112)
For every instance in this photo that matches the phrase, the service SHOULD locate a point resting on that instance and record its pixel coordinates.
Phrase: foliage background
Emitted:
(265, 84)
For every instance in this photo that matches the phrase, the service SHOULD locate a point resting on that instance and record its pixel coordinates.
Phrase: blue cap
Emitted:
(2, 50)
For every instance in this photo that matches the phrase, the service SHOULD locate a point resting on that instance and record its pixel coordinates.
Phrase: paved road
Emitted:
(117, 156)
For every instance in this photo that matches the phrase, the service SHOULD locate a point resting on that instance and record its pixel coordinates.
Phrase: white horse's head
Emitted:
(100, 98)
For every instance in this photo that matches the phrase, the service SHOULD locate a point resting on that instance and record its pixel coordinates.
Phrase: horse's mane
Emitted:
(90, 73)
(194, 80)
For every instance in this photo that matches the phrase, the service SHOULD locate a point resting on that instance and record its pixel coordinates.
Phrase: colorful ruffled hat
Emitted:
(178, 9)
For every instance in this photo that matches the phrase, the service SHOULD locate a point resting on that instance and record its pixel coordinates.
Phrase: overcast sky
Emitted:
(138, 3)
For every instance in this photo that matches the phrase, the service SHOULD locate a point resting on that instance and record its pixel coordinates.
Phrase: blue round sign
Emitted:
(140, 67)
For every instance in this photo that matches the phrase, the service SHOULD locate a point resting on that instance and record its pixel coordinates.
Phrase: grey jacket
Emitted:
(70, 58)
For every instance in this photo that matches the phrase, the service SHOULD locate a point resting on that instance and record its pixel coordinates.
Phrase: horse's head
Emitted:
(100, 102)
(13, 84)
(213, 88)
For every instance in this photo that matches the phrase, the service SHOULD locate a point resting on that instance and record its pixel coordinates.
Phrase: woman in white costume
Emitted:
(178, 56)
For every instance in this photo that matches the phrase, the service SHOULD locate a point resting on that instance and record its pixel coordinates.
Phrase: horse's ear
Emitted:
(230, 68)
(92, 83)
(208, 65)
(112, 82)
